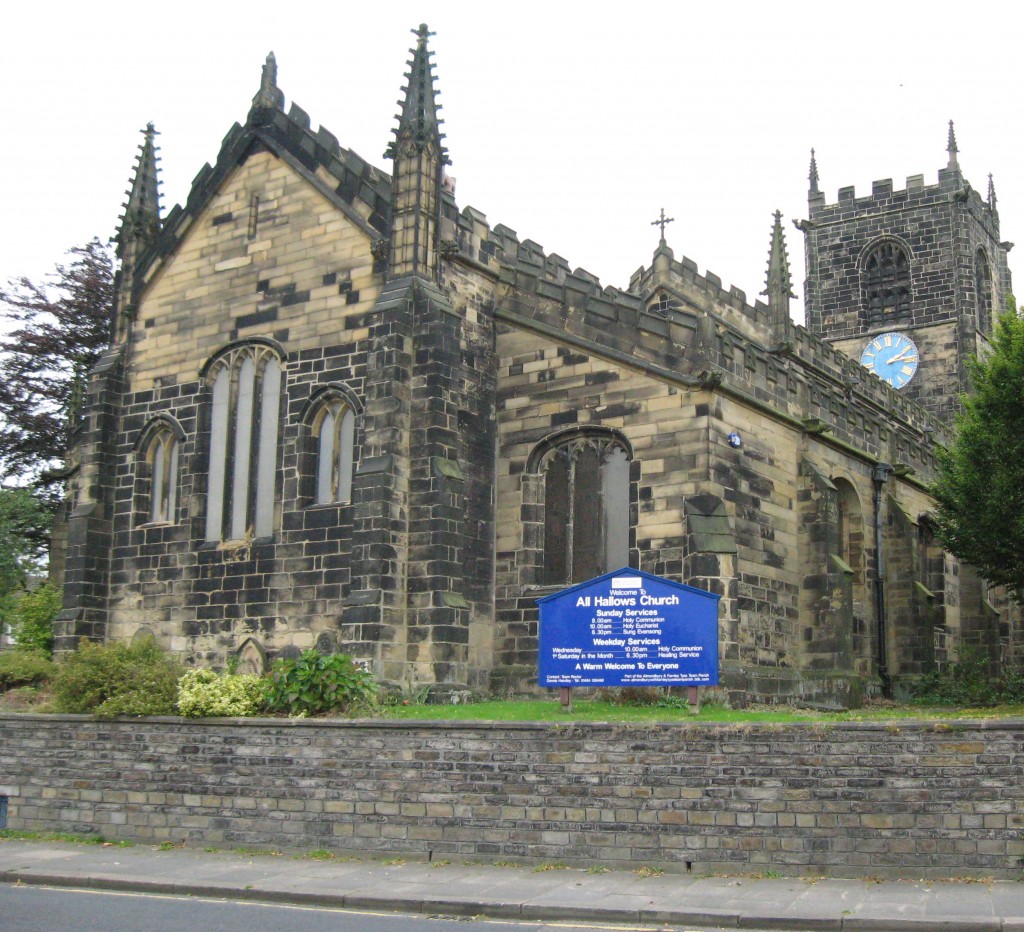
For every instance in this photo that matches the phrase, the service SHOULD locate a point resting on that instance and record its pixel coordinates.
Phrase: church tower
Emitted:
(907, 281)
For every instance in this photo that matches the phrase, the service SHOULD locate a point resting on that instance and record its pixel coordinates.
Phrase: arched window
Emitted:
(586, 507)
(157, 453)
(162, 457)
(886, 282)
(245, 386)
(983, 291)
(334, 432)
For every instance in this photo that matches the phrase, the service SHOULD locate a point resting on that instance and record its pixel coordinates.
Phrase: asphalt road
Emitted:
(46, 909)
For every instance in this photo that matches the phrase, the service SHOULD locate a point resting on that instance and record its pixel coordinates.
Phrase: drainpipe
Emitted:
(879, 477)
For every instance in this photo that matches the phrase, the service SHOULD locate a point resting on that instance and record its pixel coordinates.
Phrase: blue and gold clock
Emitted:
(893, 357)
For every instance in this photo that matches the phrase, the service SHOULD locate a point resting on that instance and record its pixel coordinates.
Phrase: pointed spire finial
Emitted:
(991, 193)
(269, 96)
(812, 176)
(951, 148)
(780, 284)
(418, 123)
(779, 279)
(141, 219)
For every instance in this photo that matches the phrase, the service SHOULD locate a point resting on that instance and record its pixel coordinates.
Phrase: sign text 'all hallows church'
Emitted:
(628, 628)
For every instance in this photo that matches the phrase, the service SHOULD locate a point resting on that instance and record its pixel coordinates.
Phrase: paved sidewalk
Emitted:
(622, 897)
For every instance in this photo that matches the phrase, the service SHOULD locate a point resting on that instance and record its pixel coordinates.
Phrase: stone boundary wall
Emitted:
(852, 799)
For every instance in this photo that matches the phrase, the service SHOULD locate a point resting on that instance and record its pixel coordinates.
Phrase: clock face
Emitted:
(893, 357)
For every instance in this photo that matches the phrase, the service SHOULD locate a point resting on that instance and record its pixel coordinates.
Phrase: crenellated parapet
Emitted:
(712, 336)
(951, 187)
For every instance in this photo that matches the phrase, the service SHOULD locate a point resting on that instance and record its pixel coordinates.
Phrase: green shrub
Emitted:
(31, 618)
(318, 683)
(1012, 687)
(24, 668)
(968, 683)
(206, 693)
(117, 679)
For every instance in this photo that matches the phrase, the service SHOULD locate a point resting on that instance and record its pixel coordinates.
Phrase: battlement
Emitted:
(948, 182)
(645, 280)
(950, 187)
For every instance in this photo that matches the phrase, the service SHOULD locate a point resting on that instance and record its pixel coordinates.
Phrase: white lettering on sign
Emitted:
(627, 582)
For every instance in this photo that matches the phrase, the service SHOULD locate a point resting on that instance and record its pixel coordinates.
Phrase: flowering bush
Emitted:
(204, 693)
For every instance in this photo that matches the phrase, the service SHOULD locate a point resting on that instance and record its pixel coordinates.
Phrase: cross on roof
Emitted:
(662, 221)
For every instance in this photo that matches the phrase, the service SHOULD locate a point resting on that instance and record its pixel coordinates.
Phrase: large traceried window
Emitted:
(586, 507)
(245, 385)
(334, 431)
(886, 282)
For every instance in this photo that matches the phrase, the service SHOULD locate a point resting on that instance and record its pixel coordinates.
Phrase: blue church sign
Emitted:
(629, 628)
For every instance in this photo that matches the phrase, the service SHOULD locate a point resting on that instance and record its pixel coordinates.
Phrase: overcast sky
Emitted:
(571, 123)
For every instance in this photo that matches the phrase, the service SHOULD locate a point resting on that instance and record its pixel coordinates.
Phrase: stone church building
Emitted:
(339, 411)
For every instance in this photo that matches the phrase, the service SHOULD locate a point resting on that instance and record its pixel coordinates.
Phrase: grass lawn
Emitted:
(597, 710)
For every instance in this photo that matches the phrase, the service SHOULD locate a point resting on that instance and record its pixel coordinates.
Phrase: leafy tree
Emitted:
(24, 537)
(59, 329)
(30, 616)
(980, 490)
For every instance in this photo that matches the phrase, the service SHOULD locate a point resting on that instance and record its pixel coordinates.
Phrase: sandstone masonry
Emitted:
(854, 799)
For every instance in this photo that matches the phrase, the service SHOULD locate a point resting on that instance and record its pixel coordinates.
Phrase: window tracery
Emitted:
(245, 386)
(586, 507)
(334, 429)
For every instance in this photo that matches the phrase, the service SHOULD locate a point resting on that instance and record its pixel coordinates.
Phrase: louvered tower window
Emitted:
(886, 283)
(983, 291)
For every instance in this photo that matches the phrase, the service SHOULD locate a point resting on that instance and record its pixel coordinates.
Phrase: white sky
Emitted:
(573, 124)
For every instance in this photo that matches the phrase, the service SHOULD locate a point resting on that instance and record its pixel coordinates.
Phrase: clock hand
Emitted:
(899, 357)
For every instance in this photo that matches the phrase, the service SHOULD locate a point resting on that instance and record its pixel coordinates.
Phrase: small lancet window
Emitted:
(162, 457)
(887, 282)
(334, 430)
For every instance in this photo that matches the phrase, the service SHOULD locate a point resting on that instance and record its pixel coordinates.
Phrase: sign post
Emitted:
(629, 628)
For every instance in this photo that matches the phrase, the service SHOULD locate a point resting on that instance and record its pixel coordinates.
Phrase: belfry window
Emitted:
(886, 282)
(983, 290)
(162, 457)
(245, 386)
(334, 430)
(586, 508)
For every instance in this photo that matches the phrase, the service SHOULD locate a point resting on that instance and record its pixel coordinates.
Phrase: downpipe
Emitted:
(879, 477)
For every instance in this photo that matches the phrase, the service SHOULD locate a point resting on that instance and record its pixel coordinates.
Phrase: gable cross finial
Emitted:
(662, 222)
